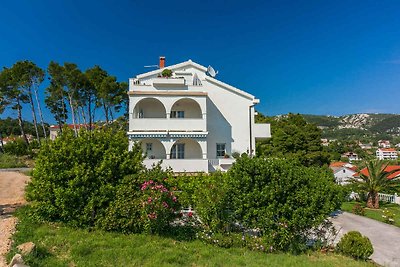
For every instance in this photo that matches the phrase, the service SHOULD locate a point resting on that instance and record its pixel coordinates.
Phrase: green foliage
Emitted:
(358, 209)
(10, 127)
(375, 181)
(166, 73)
(281, 198)
(207, 195)
(61, 245)
(76, 178)
(355, 245)
(20, 148)
(10, 161)
(388, 216)
(144, 202)
(294, 138)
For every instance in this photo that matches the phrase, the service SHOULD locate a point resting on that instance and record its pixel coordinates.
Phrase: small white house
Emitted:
(191, 121)
(387, 153)
(384, 143)
(352, 156)
(343, 172)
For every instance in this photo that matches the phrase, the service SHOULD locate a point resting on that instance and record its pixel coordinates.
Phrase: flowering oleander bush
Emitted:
(160, 206)
(388, 216)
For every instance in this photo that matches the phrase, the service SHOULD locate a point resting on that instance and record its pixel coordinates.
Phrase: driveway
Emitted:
(384, 237)
(12, 185)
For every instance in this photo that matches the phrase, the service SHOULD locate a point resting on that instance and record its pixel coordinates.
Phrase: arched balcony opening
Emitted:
(186, 108)
(149, 108)
(186, 148)
(153, 148)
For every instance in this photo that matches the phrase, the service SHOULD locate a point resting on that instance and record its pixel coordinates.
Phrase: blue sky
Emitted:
(315, 57)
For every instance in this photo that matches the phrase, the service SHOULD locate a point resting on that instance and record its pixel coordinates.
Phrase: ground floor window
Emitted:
(220, 150)
(178, 151)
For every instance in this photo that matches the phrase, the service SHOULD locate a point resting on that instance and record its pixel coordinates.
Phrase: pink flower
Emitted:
(174, 198)
(190, 214)
(165, 204)
(149, 200)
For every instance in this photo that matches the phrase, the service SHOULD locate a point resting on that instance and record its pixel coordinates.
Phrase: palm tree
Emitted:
(374, 179)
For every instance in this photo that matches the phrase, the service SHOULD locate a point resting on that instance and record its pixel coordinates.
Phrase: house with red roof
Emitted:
(390, 168)
(55, 129)
(343, 172)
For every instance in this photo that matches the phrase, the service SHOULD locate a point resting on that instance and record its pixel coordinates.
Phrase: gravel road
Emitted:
(12, 185)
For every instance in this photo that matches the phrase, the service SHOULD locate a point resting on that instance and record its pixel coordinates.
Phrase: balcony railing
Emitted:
(168, 81)
(164, 124)
(262, 130)
(180, 165)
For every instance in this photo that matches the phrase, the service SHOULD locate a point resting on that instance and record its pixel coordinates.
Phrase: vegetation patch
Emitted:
(10, 161)
(376, 214)
(61, 245)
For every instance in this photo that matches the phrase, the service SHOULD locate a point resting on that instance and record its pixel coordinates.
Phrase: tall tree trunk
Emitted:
(373, 200)
(105, 111)
(1, 143)
(40, 112)
(84, 117)
(72, 113)
(20, 122)
(33, 114)
(111, 115)
(376, 200)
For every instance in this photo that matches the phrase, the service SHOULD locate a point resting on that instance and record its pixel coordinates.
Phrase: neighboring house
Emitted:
(351, 156)
(55, 129)
(386, 153)
(384, 143)
(365, 146)
(324, 142)
(8, 139)
(191, 121)
(389, 168)
(343, 172)
(397, 145)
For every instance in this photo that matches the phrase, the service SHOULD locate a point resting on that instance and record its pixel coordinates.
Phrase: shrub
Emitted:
(206, 194)
(144, 202)
(281, 198)
(358, 209)
(388, 216)
(355, 245)
(10, 161)
(166, 73)
(76, 178)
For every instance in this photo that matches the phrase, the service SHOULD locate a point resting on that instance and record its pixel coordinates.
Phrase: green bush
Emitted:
(206, 194)
(282, 199)
(355, 245)
(144, 202)
(166, 73)
(20, 148)
(358, 209)
(10, 161)
(76, 178)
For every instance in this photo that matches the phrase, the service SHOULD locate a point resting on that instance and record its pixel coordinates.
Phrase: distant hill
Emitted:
(364, 126)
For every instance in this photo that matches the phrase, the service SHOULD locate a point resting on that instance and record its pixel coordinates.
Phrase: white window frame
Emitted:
(220, 152)
(178, 151)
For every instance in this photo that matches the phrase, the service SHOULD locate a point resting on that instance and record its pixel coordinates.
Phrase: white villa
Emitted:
(387, 153)
(191, 121)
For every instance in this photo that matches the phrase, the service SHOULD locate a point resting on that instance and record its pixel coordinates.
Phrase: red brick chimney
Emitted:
(162, 62)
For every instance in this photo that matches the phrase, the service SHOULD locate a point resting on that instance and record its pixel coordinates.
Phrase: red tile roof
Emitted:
(388, 149)
(337, 164)
(389, 168)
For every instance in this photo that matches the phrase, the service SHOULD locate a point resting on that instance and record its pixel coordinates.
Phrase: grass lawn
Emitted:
(59, 245)
(376, 214)
(10, 161)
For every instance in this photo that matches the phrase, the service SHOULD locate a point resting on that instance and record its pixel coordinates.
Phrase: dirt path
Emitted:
(12, 186)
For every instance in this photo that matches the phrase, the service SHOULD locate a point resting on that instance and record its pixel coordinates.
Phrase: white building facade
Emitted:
(387, 153)
(191, 121)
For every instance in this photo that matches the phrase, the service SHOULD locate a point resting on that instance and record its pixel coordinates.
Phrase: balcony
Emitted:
(262, 130)
(172, 125)
(168, 82)
(180, 165)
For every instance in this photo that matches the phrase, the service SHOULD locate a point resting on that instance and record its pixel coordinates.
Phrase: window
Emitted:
(220, 150)
(149, 147)
(177, 114)
(178, 151)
